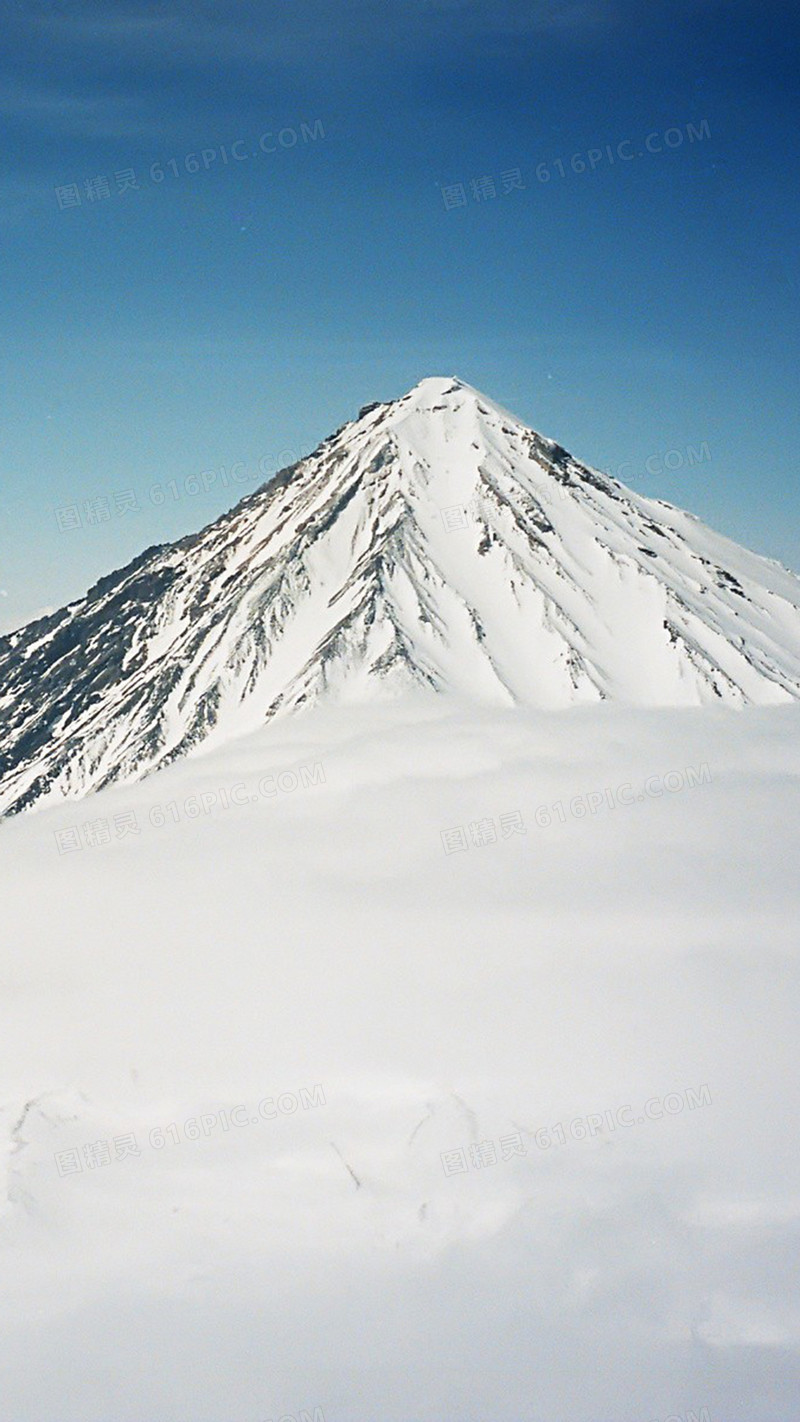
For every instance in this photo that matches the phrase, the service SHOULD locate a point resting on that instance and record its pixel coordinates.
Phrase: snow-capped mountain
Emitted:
(434, 542)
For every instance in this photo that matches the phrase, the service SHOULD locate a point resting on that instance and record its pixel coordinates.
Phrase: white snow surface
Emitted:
(354, 576)
(321, 936)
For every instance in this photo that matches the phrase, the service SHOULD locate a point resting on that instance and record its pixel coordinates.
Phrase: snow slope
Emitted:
(317, 1256)
(355, 575)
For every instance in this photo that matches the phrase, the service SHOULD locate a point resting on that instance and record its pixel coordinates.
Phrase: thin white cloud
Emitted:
(194, 33)
(521, 17)
(96, 116)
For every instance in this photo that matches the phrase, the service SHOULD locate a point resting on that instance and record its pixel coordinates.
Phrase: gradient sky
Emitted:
(642, 312)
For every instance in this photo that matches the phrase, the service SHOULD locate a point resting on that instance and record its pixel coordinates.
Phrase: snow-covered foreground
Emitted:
(594, 1020)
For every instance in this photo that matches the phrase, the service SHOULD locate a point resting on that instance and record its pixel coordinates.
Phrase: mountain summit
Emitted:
(434, 542)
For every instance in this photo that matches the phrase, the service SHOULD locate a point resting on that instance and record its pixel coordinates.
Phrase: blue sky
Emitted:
(643, 311)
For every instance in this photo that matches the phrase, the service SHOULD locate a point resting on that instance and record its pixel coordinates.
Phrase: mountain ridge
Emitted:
(434, 542)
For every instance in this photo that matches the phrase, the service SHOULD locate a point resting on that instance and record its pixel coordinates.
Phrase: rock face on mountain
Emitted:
(434, 542)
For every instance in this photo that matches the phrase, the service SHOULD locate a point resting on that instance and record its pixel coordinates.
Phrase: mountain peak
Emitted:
(433, 388)
(436, 384)
(434, 543)
(425, 395)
